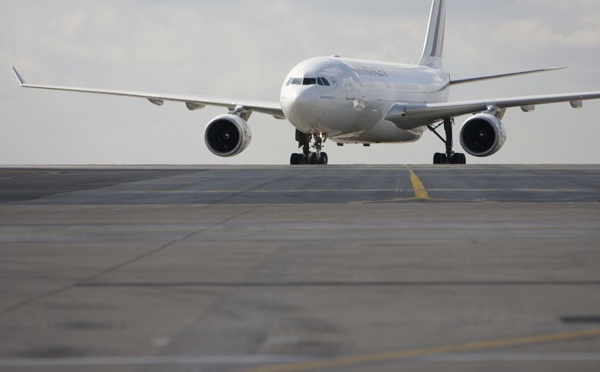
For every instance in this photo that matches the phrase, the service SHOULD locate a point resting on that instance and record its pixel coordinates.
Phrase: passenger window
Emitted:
(309, 81)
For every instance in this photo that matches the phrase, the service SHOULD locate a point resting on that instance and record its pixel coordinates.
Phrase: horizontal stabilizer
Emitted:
(490, 77)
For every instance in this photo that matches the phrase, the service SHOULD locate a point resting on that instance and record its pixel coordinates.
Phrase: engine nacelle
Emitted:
(227, 135)
(482, 135)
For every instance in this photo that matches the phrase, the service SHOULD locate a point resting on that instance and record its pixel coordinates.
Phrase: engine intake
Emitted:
(482, 135)
(227, 135)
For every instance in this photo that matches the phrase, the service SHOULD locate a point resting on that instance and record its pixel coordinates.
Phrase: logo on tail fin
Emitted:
(434, 42)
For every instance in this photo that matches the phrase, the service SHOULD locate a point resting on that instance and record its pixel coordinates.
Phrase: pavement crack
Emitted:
(163, 247)
(112, 269)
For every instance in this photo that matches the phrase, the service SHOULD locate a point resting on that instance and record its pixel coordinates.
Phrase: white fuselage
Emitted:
(347, 99)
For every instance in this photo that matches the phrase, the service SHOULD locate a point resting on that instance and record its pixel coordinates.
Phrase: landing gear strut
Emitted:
(306, 141)
(449, 157)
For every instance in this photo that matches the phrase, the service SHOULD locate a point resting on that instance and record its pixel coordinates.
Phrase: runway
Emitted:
(301, 185)
(277, 268)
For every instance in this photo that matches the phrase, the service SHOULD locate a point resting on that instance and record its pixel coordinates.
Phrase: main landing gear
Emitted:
(306, 141)
(449, 157)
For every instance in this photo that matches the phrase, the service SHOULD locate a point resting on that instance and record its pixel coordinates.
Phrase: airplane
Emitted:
(355, 101)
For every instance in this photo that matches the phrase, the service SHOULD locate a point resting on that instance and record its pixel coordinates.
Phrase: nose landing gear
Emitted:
(306, 141)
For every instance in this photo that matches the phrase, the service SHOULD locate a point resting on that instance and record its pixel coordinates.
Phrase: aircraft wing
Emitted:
(192, 103)
(402, 114)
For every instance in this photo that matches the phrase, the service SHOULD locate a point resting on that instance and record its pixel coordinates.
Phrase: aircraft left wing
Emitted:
(192, 103)
(405, 114)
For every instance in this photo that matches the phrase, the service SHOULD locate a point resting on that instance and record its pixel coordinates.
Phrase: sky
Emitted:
(245, 48)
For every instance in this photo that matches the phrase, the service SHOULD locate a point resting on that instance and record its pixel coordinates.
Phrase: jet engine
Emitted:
(227, 135)
(482, 135)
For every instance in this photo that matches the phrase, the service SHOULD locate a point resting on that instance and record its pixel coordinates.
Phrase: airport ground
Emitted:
(308, 268)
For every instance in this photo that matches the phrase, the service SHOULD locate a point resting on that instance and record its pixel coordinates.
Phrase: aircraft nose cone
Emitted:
(299, 104)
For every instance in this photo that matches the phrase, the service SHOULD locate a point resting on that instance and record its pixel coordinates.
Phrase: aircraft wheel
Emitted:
(312, 158)
(323, 159)
(459, 158)
(440, 158)
(295, 159)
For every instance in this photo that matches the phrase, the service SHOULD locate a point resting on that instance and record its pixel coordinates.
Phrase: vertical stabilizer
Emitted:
(434, 42)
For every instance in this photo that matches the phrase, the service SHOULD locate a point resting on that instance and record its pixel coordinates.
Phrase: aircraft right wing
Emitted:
(192, 103)
(408, 115)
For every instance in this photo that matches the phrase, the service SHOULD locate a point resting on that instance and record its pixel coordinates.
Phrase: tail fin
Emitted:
(434, 42)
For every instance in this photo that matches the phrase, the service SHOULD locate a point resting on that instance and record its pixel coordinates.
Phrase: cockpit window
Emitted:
(322, 81)
(309, 81)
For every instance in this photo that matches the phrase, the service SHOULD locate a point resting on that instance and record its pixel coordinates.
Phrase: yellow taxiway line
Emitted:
(420, 192)
(356, 360)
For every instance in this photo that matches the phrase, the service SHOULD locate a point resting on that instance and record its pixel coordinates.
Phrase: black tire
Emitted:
(459, 158)
(295, 159)
(440, 158)
(312, 158)
(323, 159)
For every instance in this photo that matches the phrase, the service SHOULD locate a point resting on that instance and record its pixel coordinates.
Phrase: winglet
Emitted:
(19, 77)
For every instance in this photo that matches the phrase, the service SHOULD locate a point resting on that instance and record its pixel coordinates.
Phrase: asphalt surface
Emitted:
(299, 185)
(267, 268)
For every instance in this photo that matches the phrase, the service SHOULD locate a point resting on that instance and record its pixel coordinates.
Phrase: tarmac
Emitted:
(305, 268)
